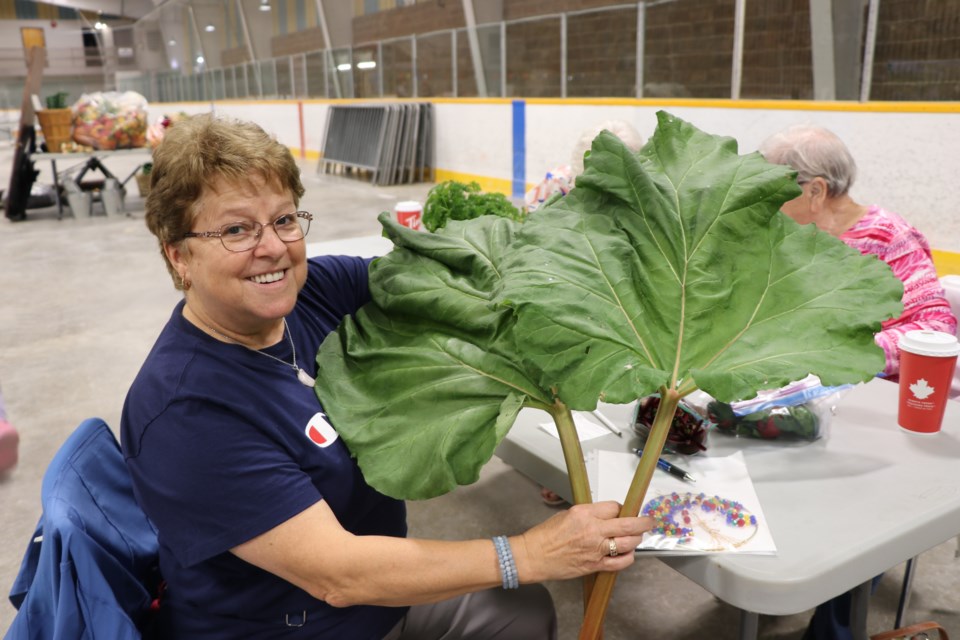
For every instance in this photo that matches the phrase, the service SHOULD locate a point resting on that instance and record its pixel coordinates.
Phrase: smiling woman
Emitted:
(265, 519)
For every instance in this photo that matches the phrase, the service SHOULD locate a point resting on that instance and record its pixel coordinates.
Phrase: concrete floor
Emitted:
(84, 298)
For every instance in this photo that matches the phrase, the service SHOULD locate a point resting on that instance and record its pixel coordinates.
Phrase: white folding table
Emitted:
(842, 509)
(86, 161)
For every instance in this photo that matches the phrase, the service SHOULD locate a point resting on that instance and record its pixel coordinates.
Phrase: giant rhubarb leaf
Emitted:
(670, 269)
(424, 382)
(674, 267)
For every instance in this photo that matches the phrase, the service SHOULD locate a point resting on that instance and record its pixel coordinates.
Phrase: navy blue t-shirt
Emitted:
(224, 444)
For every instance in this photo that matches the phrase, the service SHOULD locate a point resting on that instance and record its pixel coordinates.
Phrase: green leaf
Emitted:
(667, 269)
(422, 385)
(674, 266)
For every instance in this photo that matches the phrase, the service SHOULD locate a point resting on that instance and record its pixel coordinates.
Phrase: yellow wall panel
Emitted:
(946, 262)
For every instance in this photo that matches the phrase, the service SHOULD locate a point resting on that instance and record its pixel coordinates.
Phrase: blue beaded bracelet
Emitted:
(508, 568)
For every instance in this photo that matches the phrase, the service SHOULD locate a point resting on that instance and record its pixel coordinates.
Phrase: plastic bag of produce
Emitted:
(110, 120)
(798, 411)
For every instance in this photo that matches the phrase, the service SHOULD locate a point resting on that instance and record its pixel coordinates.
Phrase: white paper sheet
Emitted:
(718, 479)
(586, 428)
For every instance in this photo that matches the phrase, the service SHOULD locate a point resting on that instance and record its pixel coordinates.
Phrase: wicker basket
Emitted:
(56, 125)
(143, 184)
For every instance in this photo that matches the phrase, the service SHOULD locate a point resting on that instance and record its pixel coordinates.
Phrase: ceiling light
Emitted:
(199, 59)
(209, 28)
(172, 42)
(99, 26)
(264, 5)
(343, 67)
(366, 64)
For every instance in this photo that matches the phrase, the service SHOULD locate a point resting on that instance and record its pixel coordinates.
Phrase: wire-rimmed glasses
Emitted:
(245, 235)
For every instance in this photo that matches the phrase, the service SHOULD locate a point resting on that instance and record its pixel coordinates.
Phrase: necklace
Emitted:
(305, 378)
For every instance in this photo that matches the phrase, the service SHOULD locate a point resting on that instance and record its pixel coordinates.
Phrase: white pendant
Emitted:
(305, 378)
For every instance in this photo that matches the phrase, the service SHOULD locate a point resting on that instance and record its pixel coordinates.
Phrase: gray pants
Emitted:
(495, 614)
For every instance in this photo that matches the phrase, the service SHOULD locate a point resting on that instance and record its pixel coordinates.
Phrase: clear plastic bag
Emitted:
(688, 430)
(799, 411)
(110, 120)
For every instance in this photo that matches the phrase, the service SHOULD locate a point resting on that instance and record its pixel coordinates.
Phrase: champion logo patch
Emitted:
(320, 432)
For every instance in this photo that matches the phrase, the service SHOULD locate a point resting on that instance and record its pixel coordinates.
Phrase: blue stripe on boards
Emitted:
(519, 148)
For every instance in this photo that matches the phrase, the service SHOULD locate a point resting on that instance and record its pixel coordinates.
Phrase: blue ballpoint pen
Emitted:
(672, 469)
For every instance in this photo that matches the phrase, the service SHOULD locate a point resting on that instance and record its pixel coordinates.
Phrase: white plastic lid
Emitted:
(930, 343)
(408, 205)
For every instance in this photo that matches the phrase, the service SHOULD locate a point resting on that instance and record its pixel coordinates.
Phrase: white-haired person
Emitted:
(559, 180)
(826, 171)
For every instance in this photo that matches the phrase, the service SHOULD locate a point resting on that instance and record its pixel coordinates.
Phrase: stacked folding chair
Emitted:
(394, 142)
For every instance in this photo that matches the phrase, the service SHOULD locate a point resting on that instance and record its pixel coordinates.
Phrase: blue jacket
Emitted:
(90, 567)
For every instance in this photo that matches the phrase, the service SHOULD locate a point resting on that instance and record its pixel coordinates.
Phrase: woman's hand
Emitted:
(577, 542)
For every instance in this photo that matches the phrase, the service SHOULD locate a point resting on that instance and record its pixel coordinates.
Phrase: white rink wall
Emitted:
(907, 153)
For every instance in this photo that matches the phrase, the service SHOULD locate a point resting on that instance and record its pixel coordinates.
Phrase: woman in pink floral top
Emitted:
(826, 170)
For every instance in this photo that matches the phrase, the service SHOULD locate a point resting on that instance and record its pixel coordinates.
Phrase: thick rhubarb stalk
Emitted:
(592, 628)
(572, 453)
(576, 471)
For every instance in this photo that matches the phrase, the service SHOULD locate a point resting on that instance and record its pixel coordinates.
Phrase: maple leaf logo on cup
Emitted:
(921, 390)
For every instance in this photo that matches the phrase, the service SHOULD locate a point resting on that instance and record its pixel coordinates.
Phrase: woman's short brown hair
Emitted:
(193, 155)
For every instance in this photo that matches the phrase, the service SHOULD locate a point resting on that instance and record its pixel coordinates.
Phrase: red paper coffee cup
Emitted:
(927, 361)
(409, 213)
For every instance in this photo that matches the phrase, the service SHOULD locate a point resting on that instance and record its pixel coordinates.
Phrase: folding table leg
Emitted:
(908, 572)
(749, 624)
(56, 189)
(859, 603)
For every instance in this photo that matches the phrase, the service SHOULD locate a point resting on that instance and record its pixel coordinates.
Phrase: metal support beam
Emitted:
(503, 59)
(736, 73)
(196, 35)
(251, 51)
(848, 28)
(869, 46)
(413, 60)
(328, 45)
(563, 55)
(641, 35)
(821, 47)
(474, 41)
(453, 60)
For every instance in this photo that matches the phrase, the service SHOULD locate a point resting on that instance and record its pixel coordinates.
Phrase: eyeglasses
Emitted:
(245, 235)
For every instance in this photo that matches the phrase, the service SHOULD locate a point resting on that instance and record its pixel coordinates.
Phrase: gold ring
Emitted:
(613, 548)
